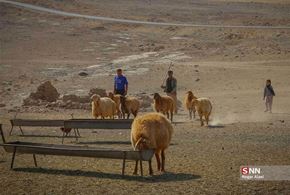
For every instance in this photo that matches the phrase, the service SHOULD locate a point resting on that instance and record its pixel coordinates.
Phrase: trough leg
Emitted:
(78, 132)
(13, 157)
(34, 159)
(141, 168)
(124, 164)
(136, 168)
(76, 136)
(11, 130)
(62, 137)
(21, 130)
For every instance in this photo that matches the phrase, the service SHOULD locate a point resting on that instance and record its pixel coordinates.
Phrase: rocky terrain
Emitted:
(50, 65)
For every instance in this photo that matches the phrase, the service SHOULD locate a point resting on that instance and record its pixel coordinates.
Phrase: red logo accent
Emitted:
(245, 170)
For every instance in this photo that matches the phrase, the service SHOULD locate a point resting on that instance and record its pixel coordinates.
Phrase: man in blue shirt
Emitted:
(120, 83)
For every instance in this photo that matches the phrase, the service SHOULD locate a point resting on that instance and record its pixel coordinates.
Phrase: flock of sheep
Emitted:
(120, 105)
(151, 130)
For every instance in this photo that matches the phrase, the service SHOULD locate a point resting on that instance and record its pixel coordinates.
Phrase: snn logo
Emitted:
(248, 170)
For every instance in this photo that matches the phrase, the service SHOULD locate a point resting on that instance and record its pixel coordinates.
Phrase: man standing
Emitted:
(120, 83)
(170, 88)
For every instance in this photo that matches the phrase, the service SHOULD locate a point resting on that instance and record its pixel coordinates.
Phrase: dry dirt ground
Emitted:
(228, 65)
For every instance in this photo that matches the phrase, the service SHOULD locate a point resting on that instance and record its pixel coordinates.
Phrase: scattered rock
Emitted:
(146, 100)
(197, 79)
(83, 74)
(45, 91)
(98, 91)
(2, 105)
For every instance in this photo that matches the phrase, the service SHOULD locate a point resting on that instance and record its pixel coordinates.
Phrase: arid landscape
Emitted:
(229, 65)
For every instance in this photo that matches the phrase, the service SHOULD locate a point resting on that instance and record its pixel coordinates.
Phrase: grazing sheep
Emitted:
(116, 99)
(152, 131)
(164, 104)
(104, 107)
(129, 105)
(188, 103)
(203, 107)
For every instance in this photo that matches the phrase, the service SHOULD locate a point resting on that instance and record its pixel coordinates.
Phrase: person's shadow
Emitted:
(166, 177)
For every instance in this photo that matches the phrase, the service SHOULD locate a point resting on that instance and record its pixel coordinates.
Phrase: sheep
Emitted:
(203, 107)
(116, 99)
(151, 131)
(188, 104)
(129, 105)
(164, 104)
(104, 107)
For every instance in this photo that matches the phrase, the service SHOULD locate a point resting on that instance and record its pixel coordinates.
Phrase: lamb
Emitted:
(164, 104)
(116, 99)
(129, 105)
(104, 107)
(188, 103)
(152, 131)
(203, 107)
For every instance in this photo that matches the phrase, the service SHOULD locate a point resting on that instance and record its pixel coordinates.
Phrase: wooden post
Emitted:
(13, 157)
(2, 134)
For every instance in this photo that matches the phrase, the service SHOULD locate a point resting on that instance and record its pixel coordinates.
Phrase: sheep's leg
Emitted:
(167, 113)
(128, 115)
(201, 121)
(136, 168)
(135, 113)
(163, 161)
(171, 118)
(150, 167)
(190, 114)
(207, 118)
(158, 160)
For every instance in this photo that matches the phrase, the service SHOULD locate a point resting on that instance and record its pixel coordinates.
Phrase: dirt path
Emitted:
(63, 13)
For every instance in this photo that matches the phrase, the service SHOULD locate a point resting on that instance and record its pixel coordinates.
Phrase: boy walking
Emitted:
(268, 94)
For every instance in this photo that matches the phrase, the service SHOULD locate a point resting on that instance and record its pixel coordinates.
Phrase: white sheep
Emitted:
(152, 131)
(129, 105)
(188, 103)
(164, 104)
(203, 107)
(116, 98)
(103, 106)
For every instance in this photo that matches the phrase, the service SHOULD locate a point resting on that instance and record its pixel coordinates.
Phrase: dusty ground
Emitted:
(229, 66)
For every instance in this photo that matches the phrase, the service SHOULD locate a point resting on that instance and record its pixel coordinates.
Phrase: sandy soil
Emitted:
(229, 66)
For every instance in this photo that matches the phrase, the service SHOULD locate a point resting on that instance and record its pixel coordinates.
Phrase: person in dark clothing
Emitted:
(120, 83)
(269, 93)
(170, 87)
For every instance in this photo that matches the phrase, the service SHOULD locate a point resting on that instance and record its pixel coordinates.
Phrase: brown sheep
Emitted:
(188, 103)
(116, 99)
(204, 108)
(164, 104)
(129, 105)
(152, 131)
